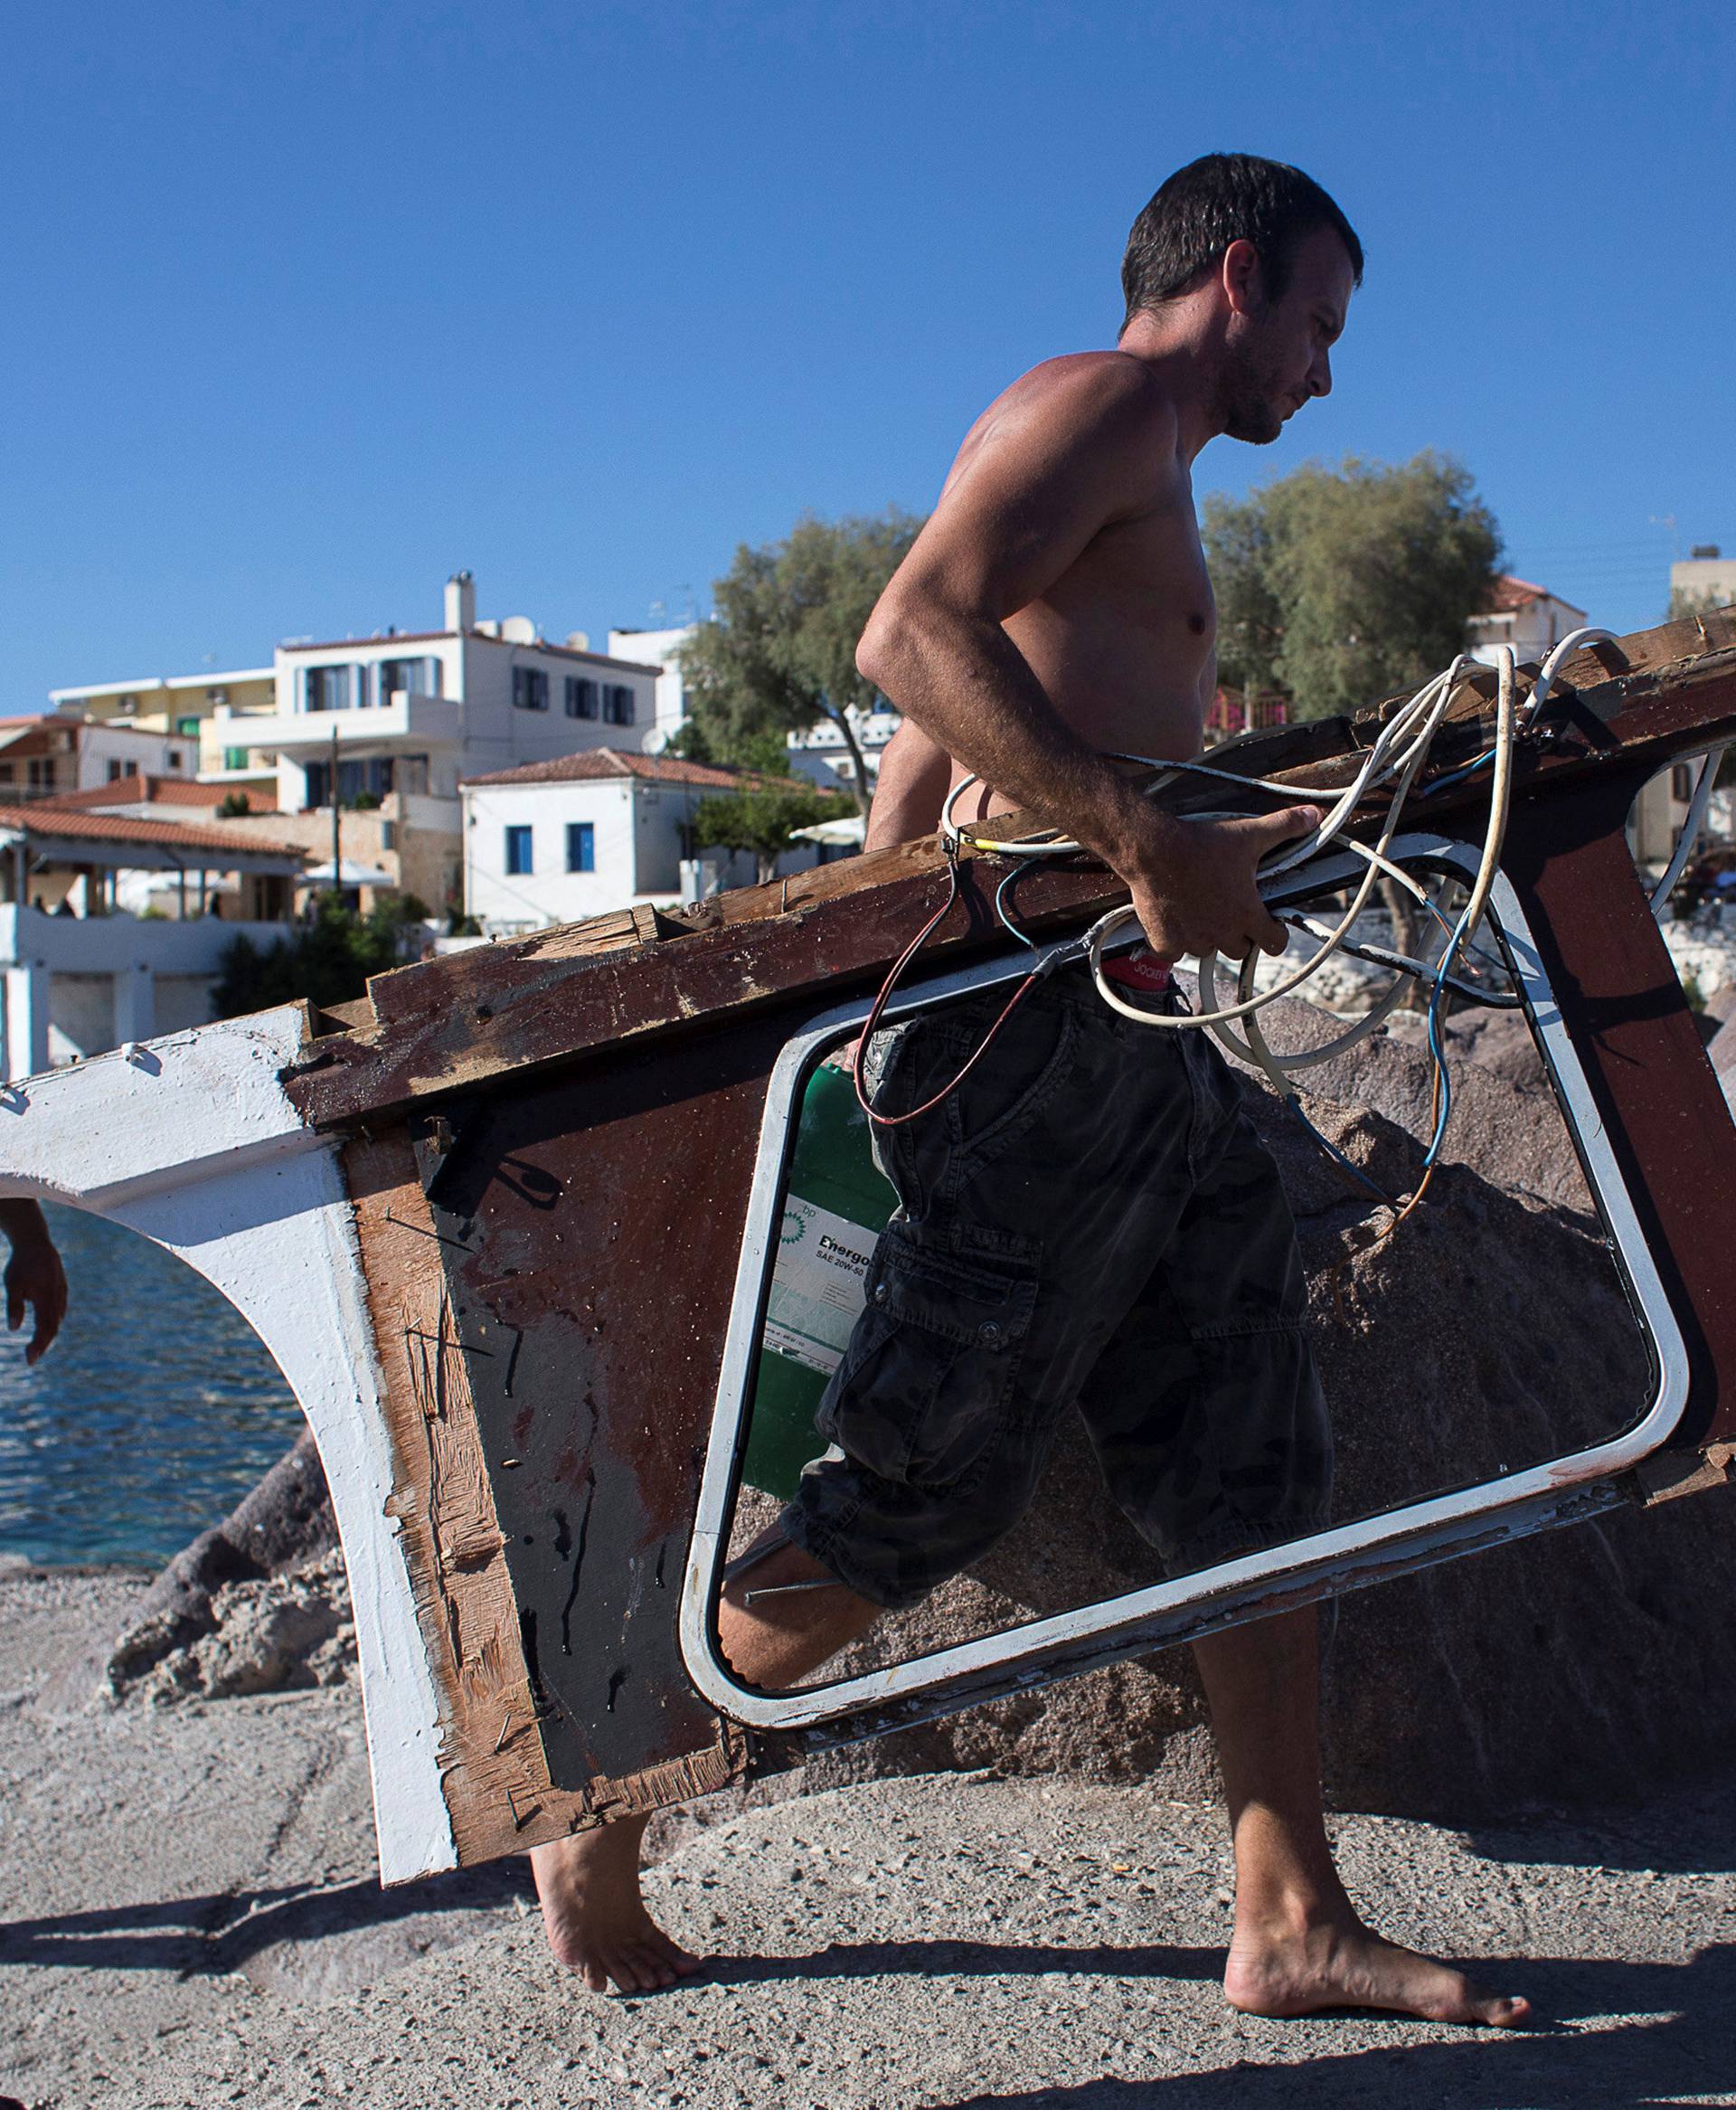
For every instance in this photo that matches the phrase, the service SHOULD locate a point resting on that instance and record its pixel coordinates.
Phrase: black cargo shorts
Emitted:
(1089, 1220)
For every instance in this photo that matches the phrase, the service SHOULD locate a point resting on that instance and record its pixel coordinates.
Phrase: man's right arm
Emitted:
(1082, 449)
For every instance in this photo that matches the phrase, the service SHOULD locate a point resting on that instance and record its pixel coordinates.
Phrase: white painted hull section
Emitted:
(190, 1141)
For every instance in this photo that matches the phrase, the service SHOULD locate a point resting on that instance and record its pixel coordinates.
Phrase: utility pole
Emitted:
(337, 862)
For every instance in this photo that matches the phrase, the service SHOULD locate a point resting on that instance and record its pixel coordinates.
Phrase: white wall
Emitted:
(149, 754)
(549, 892)
(499, 736)
(1532, 630)
(476, 673)
(638, 840)
(659, 646)
(1709, 578)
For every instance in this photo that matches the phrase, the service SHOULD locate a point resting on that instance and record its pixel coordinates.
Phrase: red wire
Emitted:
(892, 1121)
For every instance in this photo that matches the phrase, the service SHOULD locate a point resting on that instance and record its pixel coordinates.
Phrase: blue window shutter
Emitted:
(581, 847)
(518, 851)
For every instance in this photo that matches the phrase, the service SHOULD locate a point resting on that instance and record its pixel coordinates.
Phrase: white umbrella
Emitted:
(348, 874)
(834, 835)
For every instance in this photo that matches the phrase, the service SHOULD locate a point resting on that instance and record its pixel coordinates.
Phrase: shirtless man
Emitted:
(1056, 608)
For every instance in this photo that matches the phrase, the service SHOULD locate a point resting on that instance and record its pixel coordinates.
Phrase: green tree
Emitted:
(780, 650)
(326, 961)
(762, 818)
(1337, 586)
(1693, 600)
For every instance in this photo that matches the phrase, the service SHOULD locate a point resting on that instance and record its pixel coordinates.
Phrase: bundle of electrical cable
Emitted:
(1391, 765)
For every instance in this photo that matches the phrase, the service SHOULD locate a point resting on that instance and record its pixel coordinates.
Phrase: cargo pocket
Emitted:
(1021, 1071)
(922, 1395)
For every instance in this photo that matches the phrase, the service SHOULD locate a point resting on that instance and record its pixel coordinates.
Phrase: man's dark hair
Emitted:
(1217, 199)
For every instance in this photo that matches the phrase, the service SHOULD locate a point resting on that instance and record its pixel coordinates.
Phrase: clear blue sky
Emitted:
(309, 305)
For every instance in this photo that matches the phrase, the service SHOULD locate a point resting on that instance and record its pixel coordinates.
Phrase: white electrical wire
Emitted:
(1693, 822)
(1395, 758)
(1587, 634)
(1257, 1049)
(1397, 754)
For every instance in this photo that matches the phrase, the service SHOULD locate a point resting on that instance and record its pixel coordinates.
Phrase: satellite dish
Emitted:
(518, 629)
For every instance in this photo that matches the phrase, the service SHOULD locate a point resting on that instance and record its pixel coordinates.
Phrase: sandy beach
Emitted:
(192, 1919)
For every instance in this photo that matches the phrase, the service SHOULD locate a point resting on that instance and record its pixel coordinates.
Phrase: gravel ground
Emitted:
(192, 1920)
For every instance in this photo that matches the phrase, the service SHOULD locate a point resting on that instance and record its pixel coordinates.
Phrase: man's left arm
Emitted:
(910, 789)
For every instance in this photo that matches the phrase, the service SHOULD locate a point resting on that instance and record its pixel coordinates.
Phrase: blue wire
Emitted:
(1337, 1155)
(1442, 970)
(1001, 909)
(1470, 768)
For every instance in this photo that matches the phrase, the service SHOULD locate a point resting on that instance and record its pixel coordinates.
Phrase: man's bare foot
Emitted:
(1290, 1969)
(594, 1916)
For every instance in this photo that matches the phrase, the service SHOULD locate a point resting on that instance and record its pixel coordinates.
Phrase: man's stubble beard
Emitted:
(1247, 395)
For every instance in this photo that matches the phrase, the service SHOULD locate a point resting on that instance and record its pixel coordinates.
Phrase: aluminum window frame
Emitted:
(1343, 1557)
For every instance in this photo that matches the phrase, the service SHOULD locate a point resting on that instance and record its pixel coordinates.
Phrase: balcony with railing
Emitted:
(406, 717)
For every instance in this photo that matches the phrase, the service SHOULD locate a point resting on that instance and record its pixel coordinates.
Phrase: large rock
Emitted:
(271, 1634)
(282, 1527)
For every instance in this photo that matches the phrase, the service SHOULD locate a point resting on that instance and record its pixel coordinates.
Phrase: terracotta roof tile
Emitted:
(1509, 594)
(41, 819)
(157, 791)
(603, 763)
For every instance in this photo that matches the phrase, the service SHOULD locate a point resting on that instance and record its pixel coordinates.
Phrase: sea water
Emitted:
(154, 1411)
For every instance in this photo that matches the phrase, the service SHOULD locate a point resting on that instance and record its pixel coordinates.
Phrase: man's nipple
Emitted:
(1196, 623)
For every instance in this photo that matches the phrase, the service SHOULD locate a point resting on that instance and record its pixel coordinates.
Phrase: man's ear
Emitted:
(1240, 275)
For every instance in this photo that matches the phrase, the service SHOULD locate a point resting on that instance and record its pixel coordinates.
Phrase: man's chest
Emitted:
(1144, 582)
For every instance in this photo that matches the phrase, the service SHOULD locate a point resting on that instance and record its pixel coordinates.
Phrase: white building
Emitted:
(199, 711)
(49, 757)
(1528, 617)
(79, 975)
(821, 755)
(1706, 579)
(416, 711)
(389, 723)
(555, 841)
(659, 649)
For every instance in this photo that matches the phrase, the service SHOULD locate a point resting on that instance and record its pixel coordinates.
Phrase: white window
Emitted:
(420, 677)
(329, 689)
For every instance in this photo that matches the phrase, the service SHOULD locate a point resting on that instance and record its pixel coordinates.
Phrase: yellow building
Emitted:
(210, 708)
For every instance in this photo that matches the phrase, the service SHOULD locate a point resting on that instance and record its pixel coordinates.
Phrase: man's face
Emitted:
(1278, 354)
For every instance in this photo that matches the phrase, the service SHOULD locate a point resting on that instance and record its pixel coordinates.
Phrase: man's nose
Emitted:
(1320, 376)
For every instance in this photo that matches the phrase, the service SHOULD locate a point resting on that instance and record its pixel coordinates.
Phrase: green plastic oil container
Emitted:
(835, 1206)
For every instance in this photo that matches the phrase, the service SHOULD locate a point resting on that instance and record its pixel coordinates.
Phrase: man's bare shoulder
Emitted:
(1081, 403)
(1090, 388)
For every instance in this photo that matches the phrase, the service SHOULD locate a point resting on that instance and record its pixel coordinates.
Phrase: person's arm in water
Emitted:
(910, 790)
(1088, 452)
(34, 1277)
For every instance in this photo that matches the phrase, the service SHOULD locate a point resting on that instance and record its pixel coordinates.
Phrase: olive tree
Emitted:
(1337, 586)
(780, 651)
